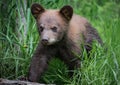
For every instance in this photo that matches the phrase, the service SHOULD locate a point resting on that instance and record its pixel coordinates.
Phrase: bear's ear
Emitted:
(36, 9)
(67, 12)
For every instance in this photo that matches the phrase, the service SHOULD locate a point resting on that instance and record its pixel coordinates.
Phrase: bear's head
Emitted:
(52, 24)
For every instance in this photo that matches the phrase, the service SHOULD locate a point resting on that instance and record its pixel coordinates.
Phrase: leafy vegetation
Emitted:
(18, 42)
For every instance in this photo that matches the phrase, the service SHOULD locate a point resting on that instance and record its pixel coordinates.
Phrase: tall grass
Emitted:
(17, 47)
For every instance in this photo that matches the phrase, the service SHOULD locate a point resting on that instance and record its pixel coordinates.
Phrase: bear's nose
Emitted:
(45, 41)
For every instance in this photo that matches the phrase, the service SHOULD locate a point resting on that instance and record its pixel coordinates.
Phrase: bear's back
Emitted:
(77, 28)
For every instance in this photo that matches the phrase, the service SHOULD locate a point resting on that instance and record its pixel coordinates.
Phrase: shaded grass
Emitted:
(103, 66)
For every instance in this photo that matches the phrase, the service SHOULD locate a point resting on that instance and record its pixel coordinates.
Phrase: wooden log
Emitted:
(19, 82)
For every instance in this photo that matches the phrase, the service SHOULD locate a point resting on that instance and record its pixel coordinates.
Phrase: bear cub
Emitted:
(63, 34)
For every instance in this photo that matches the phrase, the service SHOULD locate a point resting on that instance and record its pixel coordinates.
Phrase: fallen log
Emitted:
(19, 82)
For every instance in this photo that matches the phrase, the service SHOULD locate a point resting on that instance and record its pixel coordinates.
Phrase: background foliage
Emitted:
(19, 37)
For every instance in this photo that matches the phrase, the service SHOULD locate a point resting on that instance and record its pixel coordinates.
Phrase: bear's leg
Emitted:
(37, 67)
(39, 63)
(70, 60)
(72, 66)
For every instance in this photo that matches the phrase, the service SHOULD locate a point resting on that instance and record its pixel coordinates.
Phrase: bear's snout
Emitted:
(44, 41)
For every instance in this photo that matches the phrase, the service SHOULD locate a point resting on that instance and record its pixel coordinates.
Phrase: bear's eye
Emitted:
(41, 28)
(54, 29)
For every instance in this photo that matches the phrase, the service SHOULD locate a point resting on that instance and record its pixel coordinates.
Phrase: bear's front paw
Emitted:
(23, 78)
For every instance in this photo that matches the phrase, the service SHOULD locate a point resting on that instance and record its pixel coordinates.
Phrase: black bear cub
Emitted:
(62, 34)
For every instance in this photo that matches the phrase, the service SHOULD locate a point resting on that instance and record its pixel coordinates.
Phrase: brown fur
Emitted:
(73, 31)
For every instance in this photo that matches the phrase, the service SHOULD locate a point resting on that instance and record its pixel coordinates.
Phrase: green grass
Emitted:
(17, 47)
